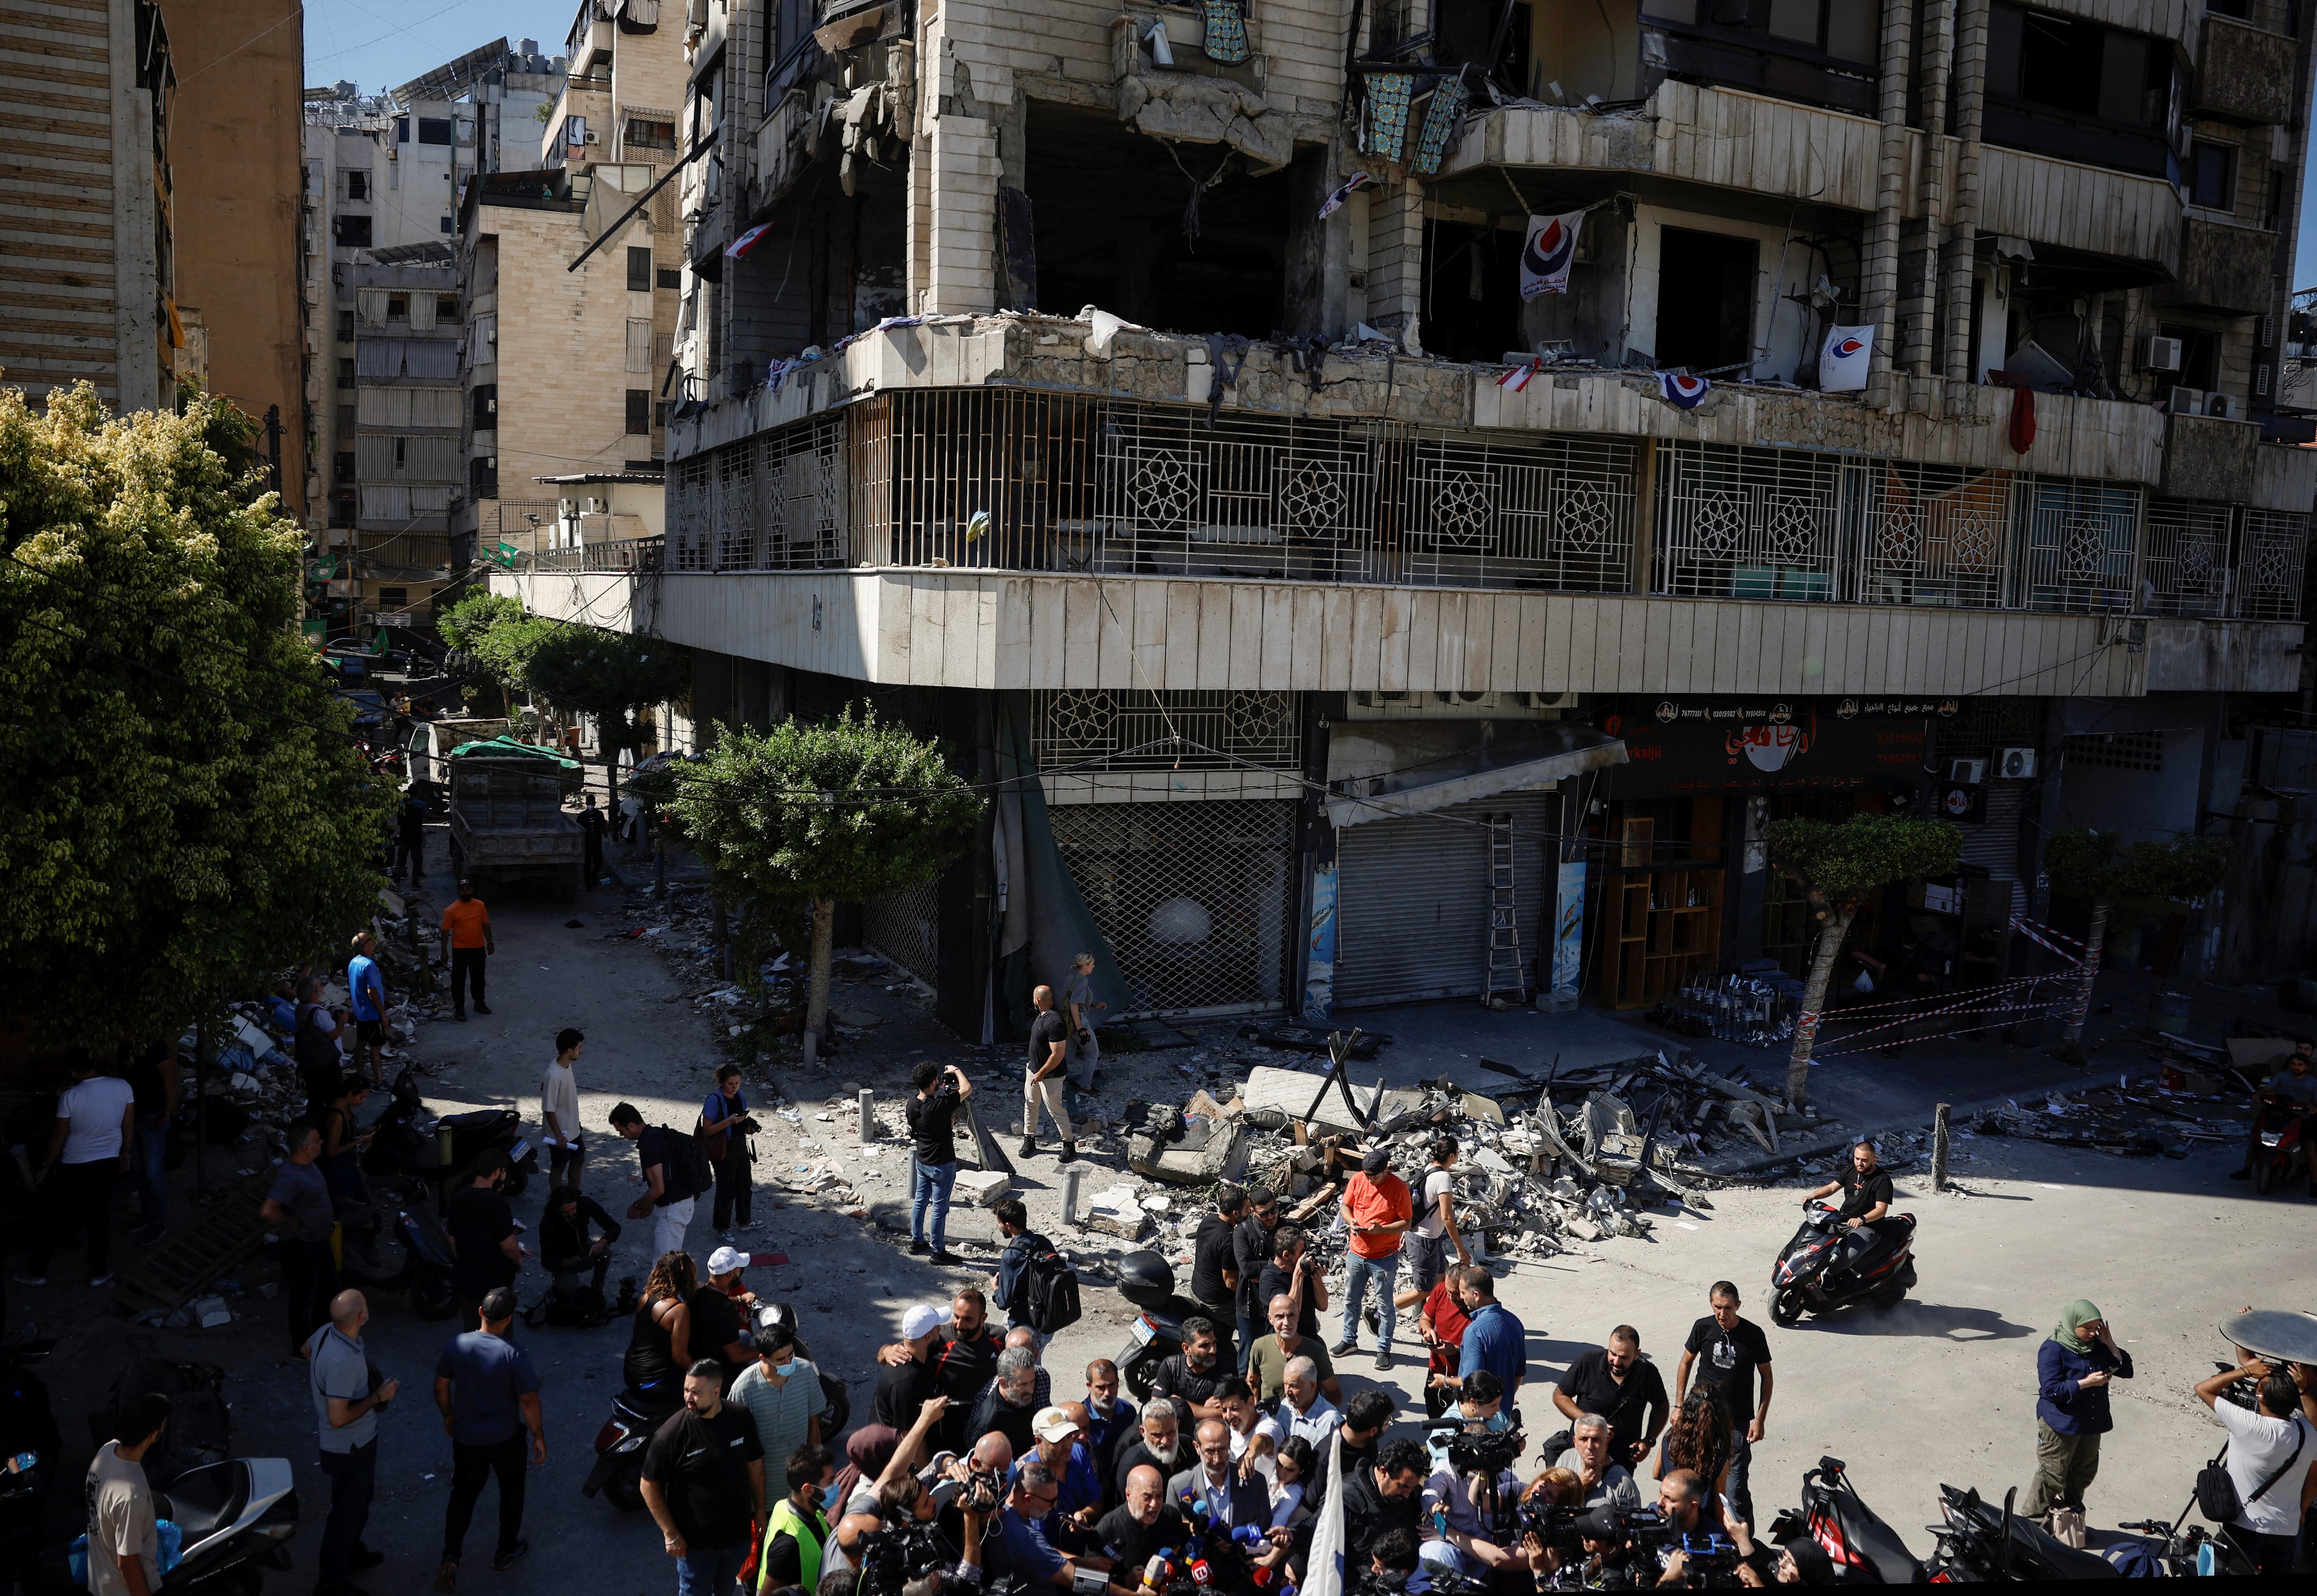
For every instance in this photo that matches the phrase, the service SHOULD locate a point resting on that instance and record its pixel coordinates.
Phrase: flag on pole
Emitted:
(1681, 388)
(1323, 1574)
(1843, 359)
(747, 241)
(1547, 254)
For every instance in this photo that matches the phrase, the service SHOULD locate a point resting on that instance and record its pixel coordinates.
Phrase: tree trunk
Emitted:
(2094, 940)
(1821, 975)
(824, 931)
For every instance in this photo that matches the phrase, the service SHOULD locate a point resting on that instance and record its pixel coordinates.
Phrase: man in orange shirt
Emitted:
(468, 924)
(1377, 1210)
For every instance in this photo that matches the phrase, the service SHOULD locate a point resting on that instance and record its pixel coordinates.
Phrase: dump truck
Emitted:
(507, 819)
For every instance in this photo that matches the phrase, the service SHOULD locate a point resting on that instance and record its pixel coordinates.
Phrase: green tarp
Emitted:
(508, 748)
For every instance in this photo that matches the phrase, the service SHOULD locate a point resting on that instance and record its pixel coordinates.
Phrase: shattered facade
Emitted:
(1426, 484)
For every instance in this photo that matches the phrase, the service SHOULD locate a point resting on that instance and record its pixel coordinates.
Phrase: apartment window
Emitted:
(639, 410)
(345, 421)
(486, 404)
(402, 129)
(352, 231)
(639, 270)
(2212, 175)
(434, 129)
(397, 308)
(670, 277)
(2239, 9)
(639, 341)
(345, 372)
(2272, 208)
(346, 327)
(357, 185)
(446, 307)
(2200, 355)
(393, 597)
(342, 466)
(446, 223)
(342, 511)
(1705, 297)
(643, 133)
(483, 475)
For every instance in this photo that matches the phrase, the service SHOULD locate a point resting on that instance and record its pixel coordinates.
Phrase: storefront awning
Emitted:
(1384, 799)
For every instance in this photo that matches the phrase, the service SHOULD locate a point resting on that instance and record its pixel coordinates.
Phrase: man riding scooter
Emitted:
(1865, 1198)
(2293, 1089)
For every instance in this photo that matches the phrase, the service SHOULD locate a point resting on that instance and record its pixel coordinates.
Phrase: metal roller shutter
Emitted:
(1993, 844)
(1412, 900)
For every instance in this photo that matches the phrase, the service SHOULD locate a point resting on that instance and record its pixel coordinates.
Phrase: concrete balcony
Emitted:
(2245, 75)
(2207, 458)
(2225, 267)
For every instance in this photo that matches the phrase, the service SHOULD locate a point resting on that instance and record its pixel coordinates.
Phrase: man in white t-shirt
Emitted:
(1434, 1234)
(2269, 1456)
(89, 1150)
(559, 1110)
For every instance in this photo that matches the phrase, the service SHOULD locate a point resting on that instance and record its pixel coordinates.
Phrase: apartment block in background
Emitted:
(87, 246)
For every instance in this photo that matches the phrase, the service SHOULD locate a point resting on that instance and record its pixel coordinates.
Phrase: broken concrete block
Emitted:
(210, 1312)
(1222, 1158)
(983, 1188)
(1116, 1211)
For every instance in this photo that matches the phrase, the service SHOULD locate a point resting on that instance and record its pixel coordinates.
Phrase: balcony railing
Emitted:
(628, 554)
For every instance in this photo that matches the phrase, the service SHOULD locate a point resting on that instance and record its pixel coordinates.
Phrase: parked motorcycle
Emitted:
(407, 1140)
(2176, 1553)
(30, 1452)
(1147, 1280)
(1980, 1542)
(427, 1259)
(2283, 1153)
(636, 1416)
(1862, 1548)
(1811, 1274)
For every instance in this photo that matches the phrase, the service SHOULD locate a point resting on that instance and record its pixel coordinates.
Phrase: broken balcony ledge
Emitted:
(1929, 420)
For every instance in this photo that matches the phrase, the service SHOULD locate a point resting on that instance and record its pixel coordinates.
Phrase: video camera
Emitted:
(891, 1558)
(1484, 1452)
(1565, 1529)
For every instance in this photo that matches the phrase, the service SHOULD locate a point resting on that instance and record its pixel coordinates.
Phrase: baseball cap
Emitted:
(498, 1303)
(1053, 1424)
(1376, 1161)
(920, 1321)
(723, 1261)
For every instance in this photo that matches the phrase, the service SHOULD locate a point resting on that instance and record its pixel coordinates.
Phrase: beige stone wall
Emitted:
(562, 337)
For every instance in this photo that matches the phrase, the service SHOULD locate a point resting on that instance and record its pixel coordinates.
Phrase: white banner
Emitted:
(1547, 254)
(1323, 1574)
(1843, 359)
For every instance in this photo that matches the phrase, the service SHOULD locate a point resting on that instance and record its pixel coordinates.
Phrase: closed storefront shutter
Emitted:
(1412, 900)
(1993, 845)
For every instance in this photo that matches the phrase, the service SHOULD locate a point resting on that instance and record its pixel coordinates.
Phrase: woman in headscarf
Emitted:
(2073, 1368)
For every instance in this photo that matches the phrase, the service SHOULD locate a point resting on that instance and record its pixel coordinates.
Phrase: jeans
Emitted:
(466, 966)
(1357, 1272)
(471, 1467)
(668, 1225)
(1250, 1331)
(1741, 1455)
(310, 1279)
(710, 1570)
(929, 1188)
(732, 1183)
(150, 1167)
(78, 1195)
(353, 1480)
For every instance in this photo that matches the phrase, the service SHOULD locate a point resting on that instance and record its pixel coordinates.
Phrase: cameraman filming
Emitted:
(1471, 1502)
(1606, 1557)
(1681, 1494)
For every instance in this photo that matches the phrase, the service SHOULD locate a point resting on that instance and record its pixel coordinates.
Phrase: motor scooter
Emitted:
(406, 1140)
(427, 1258)
(1147, 1280)
(1813, 1274)
(2283, 1153)
(1979, 1542)
(1862, 1548)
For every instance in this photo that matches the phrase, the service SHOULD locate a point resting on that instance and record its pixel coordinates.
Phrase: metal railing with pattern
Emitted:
(906, 928)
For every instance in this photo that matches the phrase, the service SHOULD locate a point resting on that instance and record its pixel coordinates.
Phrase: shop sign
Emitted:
(1966, 806)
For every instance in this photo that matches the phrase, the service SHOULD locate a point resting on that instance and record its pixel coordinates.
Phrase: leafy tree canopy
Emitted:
(465, 624)
(177, 828)
(1840, 863)
(606, 674)
(2102, 865)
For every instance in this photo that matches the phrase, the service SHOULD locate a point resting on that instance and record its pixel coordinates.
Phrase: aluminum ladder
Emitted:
(1504, 972)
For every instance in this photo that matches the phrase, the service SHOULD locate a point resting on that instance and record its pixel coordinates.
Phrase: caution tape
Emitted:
(2045, 937)
(1907, 1004)
(1975, 1004)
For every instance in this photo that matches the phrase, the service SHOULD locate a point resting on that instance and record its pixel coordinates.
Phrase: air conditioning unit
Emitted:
(2160, 354)
(2016, 764)
(2222, 405)
(2184, 401)
(1966, 773)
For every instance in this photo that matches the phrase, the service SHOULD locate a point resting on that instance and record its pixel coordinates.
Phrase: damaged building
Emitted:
(1424, 482)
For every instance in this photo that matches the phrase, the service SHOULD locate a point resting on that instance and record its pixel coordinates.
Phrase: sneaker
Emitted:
(446, 1578)
(946, 1259)
(921, 1248)
(1342, 1348)
(24, 1277)
(99, 1282)
(512, 1556)
(1384, 1359)
(482, 1008)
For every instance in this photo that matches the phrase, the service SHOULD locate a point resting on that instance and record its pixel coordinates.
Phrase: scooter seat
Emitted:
(202, 1501)
(473, 1117)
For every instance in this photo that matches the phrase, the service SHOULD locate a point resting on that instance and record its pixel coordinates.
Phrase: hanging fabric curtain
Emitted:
(378, 357)
(422, 312)
(430, 460)
(434, 358)
(373, 456)
(1441, 119)
(1226, 31)
(386, 502)
(434, 407)
(1385, 137)
(369, 305)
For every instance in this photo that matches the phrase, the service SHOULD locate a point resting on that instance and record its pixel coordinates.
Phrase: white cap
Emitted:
(1053, 1424)
(920, 1321)
(723, 1261)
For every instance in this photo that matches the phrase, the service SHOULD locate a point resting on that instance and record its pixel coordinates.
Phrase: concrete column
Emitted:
(1395, 266)
(1878, 297)
(1938, 56)
(1962, 232)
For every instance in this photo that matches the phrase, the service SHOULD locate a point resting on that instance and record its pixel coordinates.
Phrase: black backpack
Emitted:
(1050, 1289)
(684, 1154)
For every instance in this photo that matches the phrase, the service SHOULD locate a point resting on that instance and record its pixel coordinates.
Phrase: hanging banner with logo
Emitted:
(1547, 254)
(1679, 387)
(1843, 359)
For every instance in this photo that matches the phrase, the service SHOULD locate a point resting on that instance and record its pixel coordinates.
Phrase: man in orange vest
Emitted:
(468, 925)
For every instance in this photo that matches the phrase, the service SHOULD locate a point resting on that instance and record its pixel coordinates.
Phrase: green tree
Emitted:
(1837, 865)
(2102, 867)
(609, 675)
(187, 812)
(465, 624)
(849, 810)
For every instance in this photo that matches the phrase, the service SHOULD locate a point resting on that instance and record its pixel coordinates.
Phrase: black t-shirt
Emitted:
(1595, 1390)
(1135, 1455)
(933, 1130)
(1279, 1282)
(1211, 1252)
(1128, 1544)
(1369, 1515)
(1251, 1243)
(703, 1466)
(961, 1369)
(784, 1559)
(1175, 1377)
(1045, 1031)
(715, 1322)
(479, 1219)
(902, 1391)
(657, 1145)
(1861, 1192)
(1726, 1358)
(993, 1412)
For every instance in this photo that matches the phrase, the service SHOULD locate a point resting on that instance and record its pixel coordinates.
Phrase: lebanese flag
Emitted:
(747, 241)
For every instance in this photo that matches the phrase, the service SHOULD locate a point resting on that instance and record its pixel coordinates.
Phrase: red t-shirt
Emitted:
(1448, 1320)
(1377, 1201)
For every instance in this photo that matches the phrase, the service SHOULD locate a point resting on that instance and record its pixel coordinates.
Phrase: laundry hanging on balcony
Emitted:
(1226, 31)
(1385, 133)
(1843, 359)
(1548, 252)
(1350, 186)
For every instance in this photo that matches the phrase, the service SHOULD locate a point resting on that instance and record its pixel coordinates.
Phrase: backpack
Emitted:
(1051, 1290)
(685, 1157)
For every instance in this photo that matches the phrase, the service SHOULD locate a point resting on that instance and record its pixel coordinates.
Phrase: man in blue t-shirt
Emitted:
(488, 1393)
(367, 986)
(1495, 1339)
(1019, 1546)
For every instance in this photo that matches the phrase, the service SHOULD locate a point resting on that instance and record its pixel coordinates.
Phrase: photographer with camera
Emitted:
(1017, 1548)
(724, 1129)
(1471, 1502)
(896, 1498)
(1691, 1554)
(1603, 1557)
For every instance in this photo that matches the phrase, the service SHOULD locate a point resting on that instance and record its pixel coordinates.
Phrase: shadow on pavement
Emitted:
(1937, 1321)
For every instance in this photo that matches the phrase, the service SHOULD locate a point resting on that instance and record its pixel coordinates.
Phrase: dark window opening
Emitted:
(1472, 292)
(346, 327)
(446, 223)
(402, 129)
(1705, 298)
(1823, 52)
(670, 277)
(342, 511)
(486, 404)
(2242, 10)
(397, 308)
(434, 129)
(342, 466)
(446, 307)
(644, 133)
(639, 410)
(1108, 209)
(393, 597)
(639, 270)
(345, 372)
(2200, 357)
(352, 231)
(483, 475)
(2272, 210)
(357, 185)
(2078, 90)
(2212, 175)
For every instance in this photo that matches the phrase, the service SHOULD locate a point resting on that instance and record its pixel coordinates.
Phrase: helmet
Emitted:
(1145, 1278)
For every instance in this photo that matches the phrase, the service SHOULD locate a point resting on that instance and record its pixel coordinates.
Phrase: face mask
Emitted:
(785, 1370)
(1498, 1424)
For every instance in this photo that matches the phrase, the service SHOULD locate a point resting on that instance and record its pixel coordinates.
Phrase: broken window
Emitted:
(2076, 90)
(1472, 292)
(1705, 298)
(357, 184)
(1826, 52)
(2212, 175)
(2200, 355)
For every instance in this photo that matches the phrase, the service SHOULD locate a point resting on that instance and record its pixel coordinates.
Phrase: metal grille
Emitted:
(2080, 540)
(1753, 523)
(1982, 725)
(2117, 750)
(2186, 569)
(689, 519)
(1075, 724)
(1937, 535)
(773, 501)
(2272, 549)
(1192, 898)
(905, 928)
